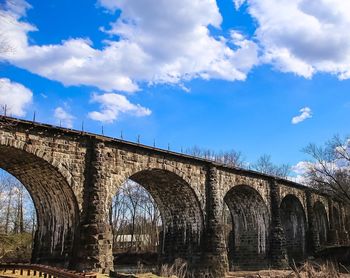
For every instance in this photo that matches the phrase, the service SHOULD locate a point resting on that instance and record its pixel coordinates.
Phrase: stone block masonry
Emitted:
(72, 177)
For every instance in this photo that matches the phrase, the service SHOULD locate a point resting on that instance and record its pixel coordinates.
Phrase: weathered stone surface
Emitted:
(72, 177)
(278, 252)
(313, 236)
(249, 243)
(333, 237)
(321, 222)
(214, 256)
(294, 226)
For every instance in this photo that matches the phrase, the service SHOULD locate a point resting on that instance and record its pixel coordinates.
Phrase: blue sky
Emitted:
(220, 75)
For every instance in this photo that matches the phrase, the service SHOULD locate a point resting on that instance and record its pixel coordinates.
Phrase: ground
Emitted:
(280, 274)
(238, 274)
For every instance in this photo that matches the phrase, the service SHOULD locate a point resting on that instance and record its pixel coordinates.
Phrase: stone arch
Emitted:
(248, 245)
(27, 147)
(181, 212)
(138, 165)
(294, 225)
(321, 222)
(54, 200)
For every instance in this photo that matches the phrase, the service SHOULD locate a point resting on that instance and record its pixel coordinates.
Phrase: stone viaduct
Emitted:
(72, 177)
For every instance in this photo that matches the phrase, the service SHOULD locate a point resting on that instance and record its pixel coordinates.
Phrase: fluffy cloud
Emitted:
(303, 36)
(112, 105)
(301, 167)
(171, 42)
(15, 97)
(305, 114)
(318, 168)
(165, 43)
(300, 170)
(63, 117)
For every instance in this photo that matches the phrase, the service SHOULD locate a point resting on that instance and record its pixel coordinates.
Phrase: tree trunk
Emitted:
(8, 211)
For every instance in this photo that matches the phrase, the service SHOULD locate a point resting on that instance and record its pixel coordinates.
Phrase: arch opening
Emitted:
(136, 225)
(180, 214)
(294, 226)
(248, 243)
(17, 220)
(321, 221)
(54, 202)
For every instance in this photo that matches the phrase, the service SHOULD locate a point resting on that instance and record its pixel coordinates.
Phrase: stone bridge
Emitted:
(72, 177)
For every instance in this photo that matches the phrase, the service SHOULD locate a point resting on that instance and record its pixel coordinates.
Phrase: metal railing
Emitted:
(42, 271)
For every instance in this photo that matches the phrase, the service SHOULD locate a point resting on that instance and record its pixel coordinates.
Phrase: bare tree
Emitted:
(18, 227)
(151, 219)
(117, 214)
(17, 218)
(266, 166)
(231, 158)
(134, 214)
(329, 170)
(17, 212)
(133, 194)
(8, 212)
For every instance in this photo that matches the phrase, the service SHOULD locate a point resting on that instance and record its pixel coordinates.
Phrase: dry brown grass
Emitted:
(307, 270)
(178, 269)
(315, 270)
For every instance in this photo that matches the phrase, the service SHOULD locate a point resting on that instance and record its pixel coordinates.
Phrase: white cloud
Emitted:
(303, 36)
(340, 163)
(169, 42)
(300, 169)
(63, 117)
(13, 31)
(305, 114)
(318, 169)
(112, 105)
(16, 7)
(15, 97)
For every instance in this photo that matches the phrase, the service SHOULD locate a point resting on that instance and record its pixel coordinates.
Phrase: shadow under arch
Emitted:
(336, 217)
(321, 221)
(181, 213)
(294, 225)
(54, 201)
(248, 241)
